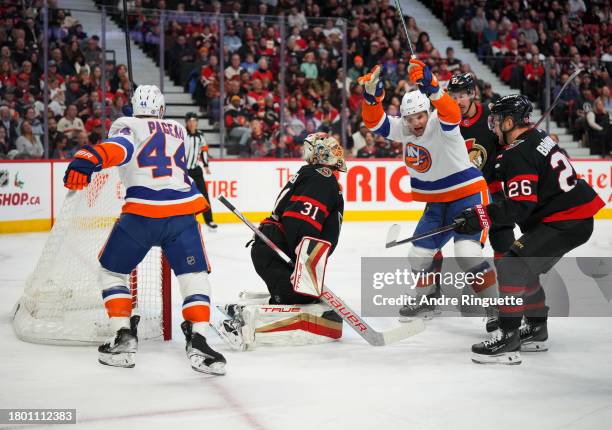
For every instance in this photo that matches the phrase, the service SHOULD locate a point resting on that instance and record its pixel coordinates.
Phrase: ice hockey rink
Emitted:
(425, 382)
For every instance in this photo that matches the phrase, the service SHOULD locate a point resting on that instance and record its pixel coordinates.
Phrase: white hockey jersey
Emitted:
(438, 162)
(150, 155)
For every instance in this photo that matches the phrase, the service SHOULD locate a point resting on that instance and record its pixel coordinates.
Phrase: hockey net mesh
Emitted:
(62, 301)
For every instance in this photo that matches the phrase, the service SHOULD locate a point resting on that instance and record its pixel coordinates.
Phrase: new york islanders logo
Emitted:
(417, 158)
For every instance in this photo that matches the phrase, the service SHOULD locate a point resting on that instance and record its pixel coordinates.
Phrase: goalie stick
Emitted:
(373, 337)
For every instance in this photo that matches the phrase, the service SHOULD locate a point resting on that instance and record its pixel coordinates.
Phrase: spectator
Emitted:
(70, 124)
(359, 138)
(370, 150)
(452, 63)
(61, 151)
(33, 118)
(357, 70)
(28, 144)
(309, 67)
(488, 95)
(5, 146)
(263, 73)
(231, 40)
(599, 131)
(534, 73)
(233, 70)
(92, 53)
(237, 123)
(10, 125)
(116, 108)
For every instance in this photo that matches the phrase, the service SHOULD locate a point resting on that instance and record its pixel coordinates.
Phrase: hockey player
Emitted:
(160, 206)
(306, 220)
(441, 174)
(553, 208)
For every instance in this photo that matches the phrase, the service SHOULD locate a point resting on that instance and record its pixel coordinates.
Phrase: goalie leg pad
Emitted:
(289, 325)
(311, 261)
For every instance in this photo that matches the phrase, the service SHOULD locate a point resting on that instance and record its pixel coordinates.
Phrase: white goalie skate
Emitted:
(230, 329)
(120, 351)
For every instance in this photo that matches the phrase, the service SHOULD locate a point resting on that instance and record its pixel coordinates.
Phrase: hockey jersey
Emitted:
(438, 163)
(150, 156)
(540, 184)
(481, 142)
(310, 204)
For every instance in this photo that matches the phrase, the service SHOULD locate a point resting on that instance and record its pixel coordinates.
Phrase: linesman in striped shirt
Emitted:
(196, 155)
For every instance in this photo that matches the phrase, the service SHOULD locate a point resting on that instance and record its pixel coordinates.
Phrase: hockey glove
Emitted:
(78, 174)
(420, 74)
(374, 91)
(472, 220)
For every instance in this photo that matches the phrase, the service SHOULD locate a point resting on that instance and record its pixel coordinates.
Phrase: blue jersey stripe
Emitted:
(140, 192)
(447, 181)
(114, 290)
(447, 127)
(129, 148)
(384, 129)
(196, 298)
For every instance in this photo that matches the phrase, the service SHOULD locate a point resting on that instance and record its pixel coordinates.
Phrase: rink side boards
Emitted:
(31, 192)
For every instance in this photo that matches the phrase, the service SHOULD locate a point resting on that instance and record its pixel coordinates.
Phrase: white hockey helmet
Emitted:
(321, 148)
(414, 102)
(148, 101)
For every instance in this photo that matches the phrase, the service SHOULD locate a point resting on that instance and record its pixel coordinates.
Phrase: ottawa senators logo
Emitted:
(478, 155)
(417, 158)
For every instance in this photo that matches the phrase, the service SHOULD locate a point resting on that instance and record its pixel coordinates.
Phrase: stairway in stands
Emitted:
(145, 71)
(438, 34)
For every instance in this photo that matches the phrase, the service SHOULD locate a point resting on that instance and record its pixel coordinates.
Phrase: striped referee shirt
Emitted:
(195, 144)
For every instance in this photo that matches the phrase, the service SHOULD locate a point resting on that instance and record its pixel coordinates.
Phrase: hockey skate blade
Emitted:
(423, 315)
(534, 346)
(508, 358)
(124, 359)
(392, 235)
(197, 364)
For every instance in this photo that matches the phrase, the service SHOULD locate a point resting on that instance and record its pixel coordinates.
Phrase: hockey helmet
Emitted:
(148, 101)
(414, 102)
(321, 148)
(516, 106)
(459, 83)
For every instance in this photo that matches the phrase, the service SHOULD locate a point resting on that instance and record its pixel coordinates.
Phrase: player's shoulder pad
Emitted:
(121, 126)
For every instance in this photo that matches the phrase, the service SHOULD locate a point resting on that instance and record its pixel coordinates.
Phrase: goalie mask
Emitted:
(320, 148)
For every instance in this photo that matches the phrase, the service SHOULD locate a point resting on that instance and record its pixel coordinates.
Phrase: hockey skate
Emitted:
(492, 318)
(230, 329)
(120, 351)
(502, 348)
(423, 311)
(534, 337)
(203, 358)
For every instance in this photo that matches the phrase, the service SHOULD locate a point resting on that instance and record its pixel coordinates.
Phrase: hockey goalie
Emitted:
(305, 223)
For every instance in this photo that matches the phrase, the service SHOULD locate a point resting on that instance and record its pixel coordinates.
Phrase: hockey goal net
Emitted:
(62, 301)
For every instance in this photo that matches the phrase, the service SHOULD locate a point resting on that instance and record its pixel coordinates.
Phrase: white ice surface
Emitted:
(425, 382)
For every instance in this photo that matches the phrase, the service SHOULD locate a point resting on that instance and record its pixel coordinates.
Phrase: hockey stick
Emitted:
(393, 234)
(554, 103)
(373, 337)
(398, 8)
(128, 48)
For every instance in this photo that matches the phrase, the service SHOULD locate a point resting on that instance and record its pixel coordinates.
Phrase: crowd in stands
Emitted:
(249, 101)
(520, 40)
(75, 109)
(227, 55)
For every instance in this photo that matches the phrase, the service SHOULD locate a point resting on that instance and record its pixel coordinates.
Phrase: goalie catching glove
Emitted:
(374, 91)
(473, 220)
(309, 272)
(78, 174)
